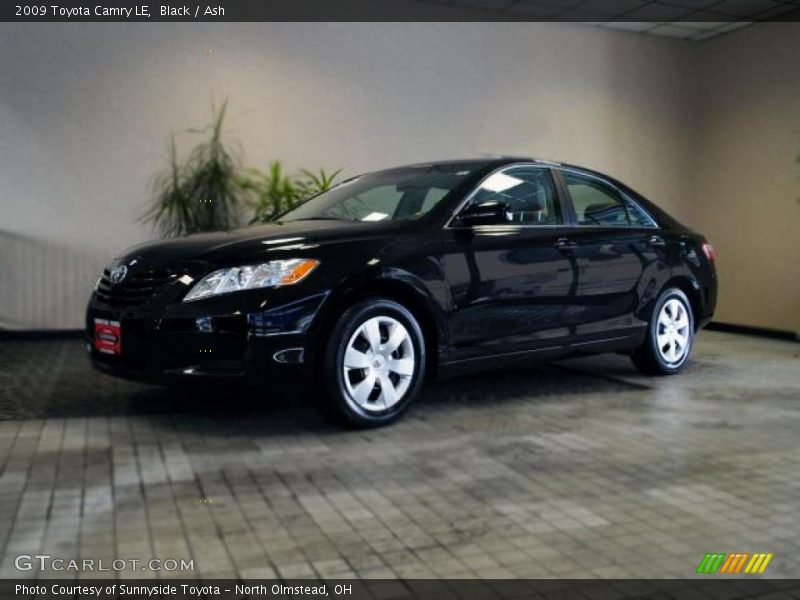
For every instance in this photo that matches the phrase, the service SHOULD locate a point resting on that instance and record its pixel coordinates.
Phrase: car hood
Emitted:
(253, 243)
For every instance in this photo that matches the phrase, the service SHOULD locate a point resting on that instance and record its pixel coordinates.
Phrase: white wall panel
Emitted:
(85, 111)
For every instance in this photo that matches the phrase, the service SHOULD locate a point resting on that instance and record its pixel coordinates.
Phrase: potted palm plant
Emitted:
(210, 189)
(274, 192)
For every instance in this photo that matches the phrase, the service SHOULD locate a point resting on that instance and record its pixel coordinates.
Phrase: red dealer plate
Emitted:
(107, 336)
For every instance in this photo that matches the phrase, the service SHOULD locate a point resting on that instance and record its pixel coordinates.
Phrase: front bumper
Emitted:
(241, 336)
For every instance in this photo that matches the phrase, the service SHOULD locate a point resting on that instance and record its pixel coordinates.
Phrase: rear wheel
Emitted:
(374, 363)
(670, 336)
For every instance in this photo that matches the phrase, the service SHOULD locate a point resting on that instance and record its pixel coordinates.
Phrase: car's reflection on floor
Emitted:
(52, 378)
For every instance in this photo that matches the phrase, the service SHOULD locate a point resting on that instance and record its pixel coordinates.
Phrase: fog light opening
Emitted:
(289, 356)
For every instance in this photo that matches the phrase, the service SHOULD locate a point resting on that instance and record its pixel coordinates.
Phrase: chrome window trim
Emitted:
(541, 165)
(551, 166)
(653, 223)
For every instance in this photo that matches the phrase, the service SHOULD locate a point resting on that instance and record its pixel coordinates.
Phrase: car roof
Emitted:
(488, 161)
(482, 166)
(493, 162)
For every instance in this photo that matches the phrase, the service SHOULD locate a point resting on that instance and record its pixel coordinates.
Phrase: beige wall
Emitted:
(85, 111)
(747, 198)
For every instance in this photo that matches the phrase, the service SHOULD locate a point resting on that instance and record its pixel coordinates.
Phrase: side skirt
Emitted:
(622, 343)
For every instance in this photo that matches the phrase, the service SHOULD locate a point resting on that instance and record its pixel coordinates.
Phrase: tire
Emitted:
(670, 336)
(373, 364)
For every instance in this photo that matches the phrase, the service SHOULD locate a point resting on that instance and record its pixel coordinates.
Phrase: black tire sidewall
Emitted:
(653, 340)
(334, 356)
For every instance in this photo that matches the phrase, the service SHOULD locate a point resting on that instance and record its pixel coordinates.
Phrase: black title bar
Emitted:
(353, 589)
(347, 10)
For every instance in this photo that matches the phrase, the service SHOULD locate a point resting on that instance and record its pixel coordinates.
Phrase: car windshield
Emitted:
(396, 194)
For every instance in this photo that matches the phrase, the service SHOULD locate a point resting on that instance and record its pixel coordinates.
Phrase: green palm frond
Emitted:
(201, 193)
(208, 189)
(274, 192)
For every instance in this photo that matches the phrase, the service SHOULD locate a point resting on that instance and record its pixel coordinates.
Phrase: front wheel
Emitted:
(670, 336)
(374, 364)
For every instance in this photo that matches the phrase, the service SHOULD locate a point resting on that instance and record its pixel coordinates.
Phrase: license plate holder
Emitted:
(108, 336)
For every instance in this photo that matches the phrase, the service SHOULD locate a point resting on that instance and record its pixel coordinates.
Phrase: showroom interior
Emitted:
(580, 468)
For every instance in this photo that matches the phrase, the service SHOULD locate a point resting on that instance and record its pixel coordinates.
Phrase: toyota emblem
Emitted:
(118, 273)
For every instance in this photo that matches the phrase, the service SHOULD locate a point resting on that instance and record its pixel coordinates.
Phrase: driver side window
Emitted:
(528, 192)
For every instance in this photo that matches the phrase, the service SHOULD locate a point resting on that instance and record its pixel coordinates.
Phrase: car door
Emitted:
(616, 247)
(510, 281)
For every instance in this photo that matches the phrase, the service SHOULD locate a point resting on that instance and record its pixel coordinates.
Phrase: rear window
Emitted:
(596, 203)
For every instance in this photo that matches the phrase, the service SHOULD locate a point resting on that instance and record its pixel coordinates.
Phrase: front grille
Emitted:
(138, 288)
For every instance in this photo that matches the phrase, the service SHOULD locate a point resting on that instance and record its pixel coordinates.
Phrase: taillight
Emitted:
(709, 251)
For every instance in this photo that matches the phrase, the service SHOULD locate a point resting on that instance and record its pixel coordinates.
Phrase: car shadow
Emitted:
(52, 378)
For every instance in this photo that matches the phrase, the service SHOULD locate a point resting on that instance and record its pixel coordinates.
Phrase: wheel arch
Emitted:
(691, 288)
(402, 291)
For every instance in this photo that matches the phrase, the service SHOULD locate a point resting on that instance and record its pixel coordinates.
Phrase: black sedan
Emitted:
(365, 290)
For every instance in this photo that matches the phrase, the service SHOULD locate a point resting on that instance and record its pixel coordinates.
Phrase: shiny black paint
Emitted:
(510, 288)
(481, 293)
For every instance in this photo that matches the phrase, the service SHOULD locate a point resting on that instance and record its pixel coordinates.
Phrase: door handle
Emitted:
(565, 244)
(657, 241)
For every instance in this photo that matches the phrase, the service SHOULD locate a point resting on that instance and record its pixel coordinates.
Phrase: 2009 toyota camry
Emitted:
(389, 277)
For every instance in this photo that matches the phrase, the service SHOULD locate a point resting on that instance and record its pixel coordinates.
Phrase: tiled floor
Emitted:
(579, 469)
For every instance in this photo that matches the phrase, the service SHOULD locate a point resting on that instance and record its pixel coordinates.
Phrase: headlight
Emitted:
(235, 279)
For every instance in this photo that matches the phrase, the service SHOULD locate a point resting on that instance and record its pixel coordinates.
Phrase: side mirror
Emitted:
(488, 212)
